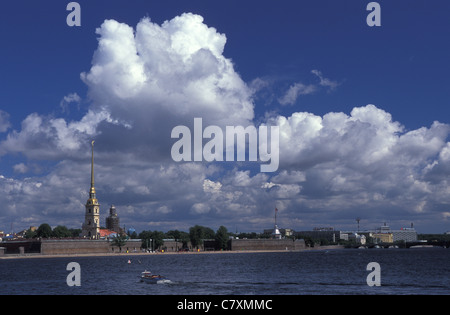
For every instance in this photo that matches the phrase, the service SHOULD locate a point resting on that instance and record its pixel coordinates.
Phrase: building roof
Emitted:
(106, 232)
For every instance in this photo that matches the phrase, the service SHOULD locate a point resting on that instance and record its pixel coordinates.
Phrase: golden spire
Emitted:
(92, 191)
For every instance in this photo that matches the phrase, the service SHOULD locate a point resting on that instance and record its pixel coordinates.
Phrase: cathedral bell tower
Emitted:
(91, 225)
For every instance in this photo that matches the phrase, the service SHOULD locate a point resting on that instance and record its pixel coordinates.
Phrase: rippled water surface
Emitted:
(403, 271)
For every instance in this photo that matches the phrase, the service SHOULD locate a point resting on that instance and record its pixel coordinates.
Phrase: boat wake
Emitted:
(164, 281)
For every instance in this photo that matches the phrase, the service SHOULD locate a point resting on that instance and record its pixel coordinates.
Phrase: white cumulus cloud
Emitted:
(169, 71)
(147, 79)
(295, 91)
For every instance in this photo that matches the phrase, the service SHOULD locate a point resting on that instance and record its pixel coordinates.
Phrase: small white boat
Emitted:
(147, 276)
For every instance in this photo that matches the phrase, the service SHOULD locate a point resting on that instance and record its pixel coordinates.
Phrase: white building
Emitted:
(405, 234)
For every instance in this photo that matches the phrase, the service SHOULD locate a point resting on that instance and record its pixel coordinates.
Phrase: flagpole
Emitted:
(276, 210)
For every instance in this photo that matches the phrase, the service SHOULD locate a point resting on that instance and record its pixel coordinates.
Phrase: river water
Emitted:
(402, 271)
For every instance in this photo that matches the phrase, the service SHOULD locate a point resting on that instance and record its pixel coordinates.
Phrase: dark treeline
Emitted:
(196, 236)
(154, 239)
(434, 237)
(45, 231)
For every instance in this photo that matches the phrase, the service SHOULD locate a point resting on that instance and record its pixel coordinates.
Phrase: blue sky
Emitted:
(323, 52)
(384, 66)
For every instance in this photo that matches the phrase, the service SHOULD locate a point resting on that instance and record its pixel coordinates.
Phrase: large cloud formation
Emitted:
(147, 80)
(175, 69)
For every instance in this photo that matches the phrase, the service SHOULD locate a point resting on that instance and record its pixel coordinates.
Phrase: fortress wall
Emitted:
(81, 246)
(267, 244)
(60, 247)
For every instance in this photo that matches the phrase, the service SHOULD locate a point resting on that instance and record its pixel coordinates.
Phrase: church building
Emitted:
(112, 222)
(91, 225)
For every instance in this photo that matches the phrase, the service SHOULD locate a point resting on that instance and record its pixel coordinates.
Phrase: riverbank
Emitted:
(137, 254)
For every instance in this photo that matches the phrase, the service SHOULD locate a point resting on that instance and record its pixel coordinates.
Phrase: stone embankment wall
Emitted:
(267, 244)
(81, 246)
(61, 247)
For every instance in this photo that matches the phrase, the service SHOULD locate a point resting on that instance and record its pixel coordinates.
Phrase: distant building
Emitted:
(405, 234)
(362, 239)
(106, 233)
(113, 221)
(276, 233)
(385, 235)
(283, 232)
(357, 238)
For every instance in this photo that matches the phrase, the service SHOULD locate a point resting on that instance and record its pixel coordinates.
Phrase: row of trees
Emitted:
(45, 231)
(196, 236)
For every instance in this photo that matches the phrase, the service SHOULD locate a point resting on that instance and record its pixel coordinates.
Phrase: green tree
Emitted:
(30, 234)
(208, 233)
(179, 236)
(251, 235)
(75, 232)
(146, 237)
(198, 233)
(158, 238)
(44, 230)
(119, 241)
(222, 237)
(151, 237)
(175, 234)
(61, 231)
(184, 238)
